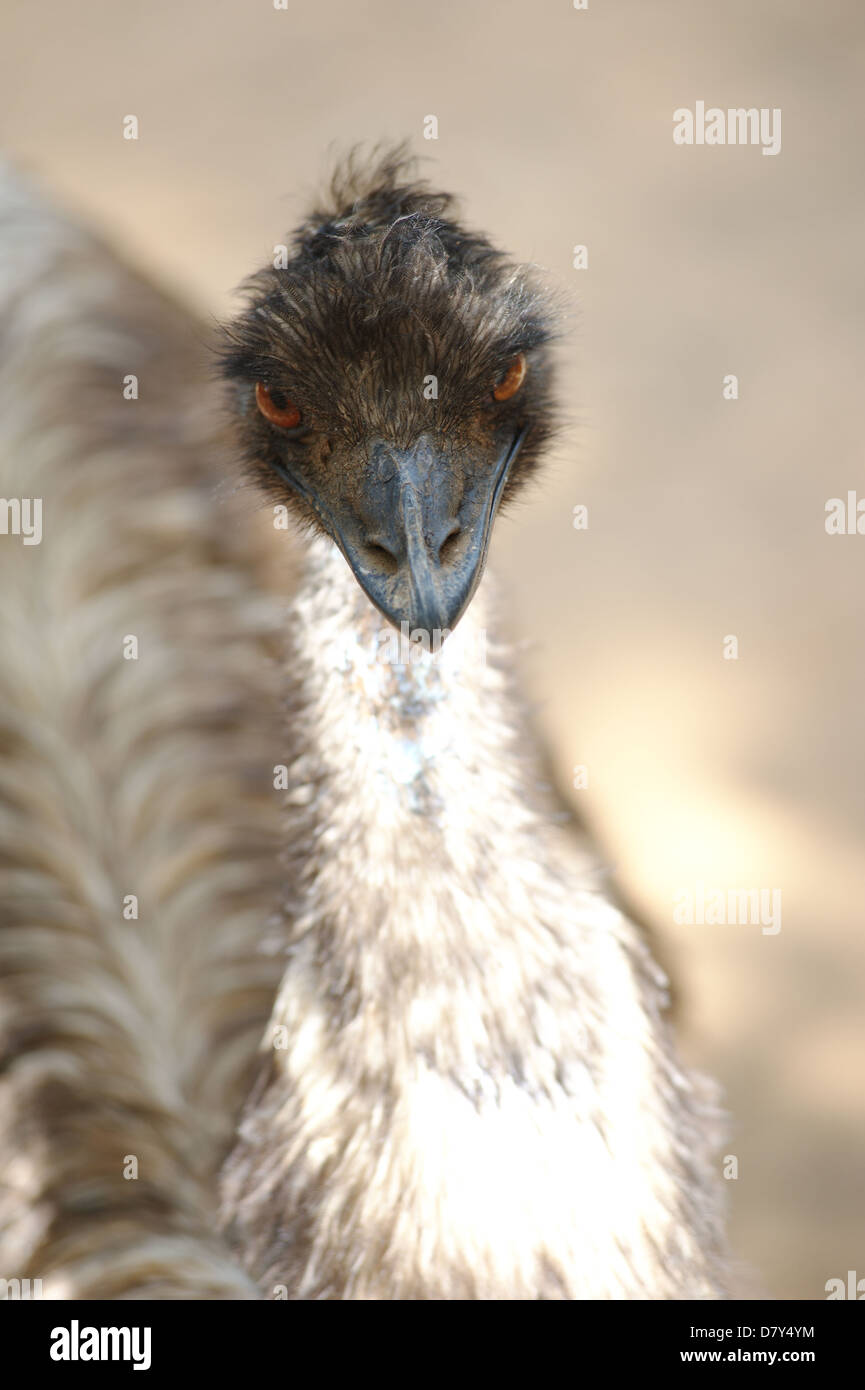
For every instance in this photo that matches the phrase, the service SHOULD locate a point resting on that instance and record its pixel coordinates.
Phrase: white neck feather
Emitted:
(469, 1085)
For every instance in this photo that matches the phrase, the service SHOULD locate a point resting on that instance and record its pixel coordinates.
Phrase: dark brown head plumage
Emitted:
(391, 383)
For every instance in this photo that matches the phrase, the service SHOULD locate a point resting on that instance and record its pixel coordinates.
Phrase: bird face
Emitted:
(391, 385)
(409, 501)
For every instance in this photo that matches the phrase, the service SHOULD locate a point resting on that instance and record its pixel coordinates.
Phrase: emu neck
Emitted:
(411, 817)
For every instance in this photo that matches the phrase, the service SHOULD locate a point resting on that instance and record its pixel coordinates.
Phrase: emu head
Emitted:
(391, 384)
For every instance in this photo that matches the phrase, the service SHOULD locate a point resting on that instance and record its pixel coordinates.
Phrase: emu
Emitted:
(441, 1068)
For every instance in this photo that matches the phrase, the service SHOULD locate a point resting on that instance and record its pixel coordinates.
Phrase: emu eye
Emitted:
(512, 379)
(276, 408)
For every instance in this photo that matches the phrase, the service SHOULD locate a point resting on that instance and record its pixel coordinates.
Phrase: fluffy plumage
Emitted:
(467, 1089)
(465, 1086)
(149, 777)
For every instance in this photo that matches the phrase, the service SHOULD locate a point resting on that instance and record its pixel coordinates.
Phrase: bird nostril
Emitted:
(385, 557)
(382, 557)
(449, 544)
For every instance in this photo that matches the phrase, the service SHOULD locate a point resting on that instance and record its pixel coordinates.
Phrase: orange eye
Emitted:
(512, 379)
(276, 408)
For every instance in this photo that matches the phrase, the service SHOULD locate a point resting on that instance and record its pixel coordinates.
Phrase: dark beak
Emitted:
(417, 537)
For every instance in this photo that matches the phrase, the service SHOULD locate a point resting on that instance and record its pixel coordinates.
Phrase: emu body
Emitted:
(464, 1085)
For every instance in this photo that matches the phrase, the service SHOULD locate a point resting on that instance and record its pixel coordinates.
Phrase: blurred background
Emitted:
(706, 516)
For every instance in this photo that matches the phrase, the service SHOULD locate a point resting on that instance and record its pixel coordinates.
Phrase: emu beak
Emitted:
(417, 542)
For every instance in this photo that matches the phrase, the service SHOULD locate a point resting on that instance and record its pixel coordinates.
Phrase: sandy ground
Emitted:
(706, 515)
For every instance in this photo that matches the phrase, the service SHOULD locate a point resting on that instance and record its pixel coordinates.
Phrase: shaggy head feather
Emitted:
(386, 334)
